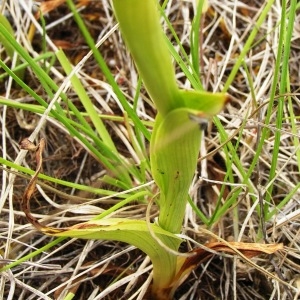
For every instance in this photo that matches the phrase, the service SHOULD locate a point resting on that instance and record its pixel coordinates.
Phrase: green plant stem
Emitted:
(148, 48)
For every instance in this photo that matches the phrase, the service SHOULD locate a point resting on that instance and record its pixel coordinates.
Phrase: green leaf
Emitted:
(134, 232)
(141, 29)
(205, 103)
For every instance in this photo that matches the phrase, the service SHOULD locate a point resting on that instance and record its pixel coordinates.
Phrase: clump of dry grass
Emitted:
(108, 270)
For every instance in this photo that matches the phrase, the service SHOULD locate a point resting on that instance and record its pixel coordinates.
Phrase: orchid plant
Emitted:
(174, 150)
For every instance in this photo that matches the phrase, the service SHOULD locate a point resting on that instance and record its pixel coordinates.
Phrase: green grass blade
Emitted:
(32, 254)
(248, 44)
(101, 62)
(86, 101)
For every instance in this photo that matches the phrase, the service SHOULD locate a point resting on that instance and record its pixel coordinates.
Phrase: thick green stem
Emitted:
(142, 32)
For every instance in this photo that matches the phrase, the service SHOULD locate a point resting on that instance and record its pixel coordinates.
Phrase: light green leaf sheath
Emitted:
(174, 152)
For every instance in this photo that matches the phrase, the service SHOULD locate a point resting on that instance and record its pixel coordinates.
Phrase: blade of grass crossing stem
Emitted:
(198, 212)
(130, 198)
(34, 108)
(102, 64)
(39, 109)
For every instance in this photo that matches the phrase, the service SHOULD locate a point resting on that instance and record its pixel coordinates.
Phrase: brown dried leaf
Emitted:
(245, 250)
(249, 250)
(25, 203)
